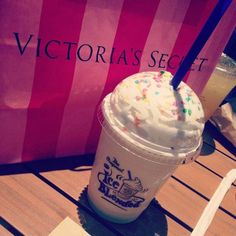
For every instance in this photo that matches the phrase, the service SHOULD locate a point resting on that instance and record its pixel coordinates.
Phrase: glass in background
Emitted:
(221, 82)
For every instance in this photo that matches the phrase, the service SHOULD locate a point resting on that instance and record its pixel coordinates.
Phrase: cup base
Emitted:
(107, 216)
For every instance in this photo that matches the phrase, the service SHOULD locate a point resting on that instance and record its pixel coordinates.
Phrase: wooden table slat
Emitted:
(205, 183)
(73, 180)
(4, 232)
(74, 183)
(188, 207)
(32, 206)
(218, 163)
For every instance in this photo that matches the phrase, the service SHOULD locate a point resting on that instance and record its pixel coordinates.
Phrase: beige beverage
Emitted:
(148, 130)
(222, 80)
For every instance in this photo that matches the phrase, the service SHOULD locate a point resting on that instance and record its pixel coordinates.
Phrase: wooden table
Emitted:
(35, 197)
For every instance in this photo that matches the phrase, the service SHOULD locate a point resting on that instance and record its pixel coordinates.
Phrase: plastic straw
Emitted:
(211, 208)
(129, 174)
(203, 36)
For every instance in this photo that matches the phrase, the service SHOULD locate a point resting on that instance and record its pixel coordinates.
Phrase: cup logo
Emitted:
(118, 187)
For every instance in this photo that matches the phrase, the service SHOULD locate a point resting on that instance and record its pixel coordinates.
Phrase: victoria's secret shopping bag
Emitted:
(58, 58)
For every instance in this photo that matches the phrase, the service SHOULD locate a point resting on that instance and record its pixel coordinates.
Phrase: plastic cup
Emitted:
(128, 169)
(221, 82)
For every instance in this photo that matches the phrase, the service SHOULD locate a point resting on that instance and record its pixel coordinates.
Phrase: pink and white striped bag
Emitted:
(58, 58)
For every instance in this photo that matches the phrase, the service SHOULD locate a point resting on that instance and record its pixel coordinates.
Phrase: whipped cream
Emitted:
(146, 108)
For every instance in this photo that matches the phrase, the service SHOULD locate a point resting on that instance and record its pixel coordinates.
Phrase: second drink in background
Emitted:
(222, 80)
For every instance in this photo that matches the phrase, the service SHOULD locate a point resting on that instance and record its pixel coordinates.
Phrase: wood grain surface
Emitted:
(75, 182)
(184, 196)
(204, 184)
(4, 232)
(33, 206)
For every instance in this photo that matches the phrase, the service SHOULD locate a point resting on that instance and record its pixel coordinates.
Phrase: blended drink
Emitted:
(148, 130)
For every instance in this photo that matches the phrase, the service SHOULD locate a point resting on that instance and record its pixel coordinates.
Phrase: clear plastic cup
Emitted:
(129, 170)
(221, 82)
